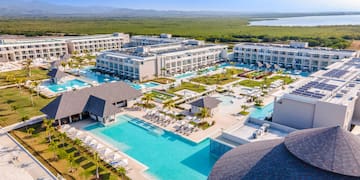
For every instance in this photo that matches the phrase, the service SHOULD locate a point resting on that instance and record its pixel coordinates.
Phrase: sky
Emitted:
(223, 5)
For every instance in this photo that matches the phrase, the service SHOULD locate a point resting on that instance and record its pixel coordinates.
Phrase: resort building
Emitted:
(296, 55)
(32, 49)
(146, 62)
(96, 43)
(252, 130)
(100, 103)
(46, 48)
(141, 40)
(207, 102)
(327, 98)
(319, 153)
(56, 75)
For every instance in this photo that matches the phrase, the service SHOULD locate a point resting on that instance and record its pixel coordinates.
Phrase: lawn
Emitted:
(36, 74)
(215, 29)
(190, 86)
(219, 79)
(84, 164)
(266, 81)
(162, 80)
(161, 96)
(15, 104)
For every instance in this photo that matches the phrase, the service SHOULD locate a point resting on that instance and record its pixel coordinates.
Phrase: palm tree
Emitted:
(63, 64)
(10, 77)
(147, 98)
(47, 124)
(19, 82)
(30, 131)
(27, 67)
(77, 142)
(71, 160)
(35, 84)
(259, 102)
(170, 104)
(53, 147)
(163, 71)
(122, 172)
(203, 113)
(244, 108)
(62, 137)
(97, 163)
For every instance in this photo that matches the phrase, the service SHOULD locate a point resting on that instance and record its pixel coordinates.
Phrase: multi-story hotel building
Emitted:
(18, 50)
(327, 98)
(296, 55)
(96, 43)
(22, 50)
(153, 40)
(146, 62)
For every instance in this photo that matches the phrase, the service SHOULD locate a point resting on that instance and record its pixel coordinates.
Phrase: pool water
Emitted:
(70, 84)
(167, 155)
(262, 112)
(185, 75)
(225, 100)
(99, 78)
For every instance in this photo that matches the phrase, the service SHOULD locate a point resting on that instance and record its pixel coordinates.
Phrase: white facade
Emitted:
(18, 50)
(335, 101)
(147, 62)
(22, 50)
(97, 43)
(153, 40)
(297, 55)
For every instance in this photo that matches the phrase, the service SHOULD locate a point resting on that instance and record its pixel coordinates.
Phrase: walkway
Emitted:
(17, 163)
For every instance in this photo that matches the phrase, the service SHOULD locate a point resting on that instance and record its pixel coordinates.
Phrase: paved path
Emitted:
(33, 120)
(17, 163)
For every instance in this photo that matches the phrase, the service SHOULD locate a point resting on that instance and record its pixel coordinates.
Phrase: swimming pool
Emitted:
(262, 112)
(225, 100)
(185, 75)
(167, 155)
(96, 77)
(70, 84)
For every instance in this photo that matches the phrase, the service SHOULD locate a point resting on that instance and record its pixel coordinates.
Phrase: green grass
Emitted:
(162, 80)
(84, 160)
(267, 82)
(190, 86)
(219, 79)
(161, 96)
(36, 74)
(224, 29)
(16, 104)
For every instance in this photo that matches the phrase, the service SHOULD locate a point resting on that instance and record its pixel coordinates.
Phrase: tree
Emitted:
(62, 137)
(35, 84)
(47, 124)
(97, 163)
(30, 131)
(147, 98)
(77, 142)
(54, 147)
(10, 78)
(259, 102)
(170, 104)
(122, 172)
(244, 108)
(19, 82)
(72, 162)
(203, 113)
(27, 67)
(63, 64)
(163, 70)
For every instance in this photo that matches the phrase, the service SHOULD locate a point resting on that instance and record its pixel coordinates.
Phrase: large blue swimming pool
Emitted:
(167, 155)
(67, 85)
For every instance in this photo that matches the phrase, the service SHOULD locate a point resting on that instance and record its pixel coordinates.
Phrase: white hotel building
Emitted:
(146, 62)
(296, 55)
(141, 40)
(327, 98)
(22, 49)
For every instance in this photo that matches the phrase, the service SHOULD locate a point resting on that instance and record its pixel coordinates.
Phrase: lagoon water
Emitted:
(310, 21)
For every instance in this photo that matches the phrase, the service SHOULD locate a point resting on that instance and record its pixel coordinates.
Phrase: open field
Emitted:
(226, 29)
(10, 77)
(15, 104)
(84, 165)
(355, 45)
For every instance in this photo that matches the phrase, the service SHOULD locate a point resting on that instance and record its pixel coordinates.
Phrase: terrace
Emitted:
(219, 79)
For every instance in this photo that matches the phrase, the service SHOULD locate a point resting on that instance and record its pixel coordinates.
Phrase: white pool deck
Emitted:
(25, 165)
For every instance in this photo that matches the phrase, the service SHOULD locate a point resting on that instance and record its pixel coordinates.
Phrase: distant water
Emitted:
(310, 21)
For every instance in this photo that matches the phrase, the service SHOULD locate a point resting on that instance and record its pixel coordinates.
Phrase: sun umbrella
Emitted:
(99, 147)
(105, 152)
(87, 139)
